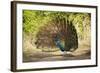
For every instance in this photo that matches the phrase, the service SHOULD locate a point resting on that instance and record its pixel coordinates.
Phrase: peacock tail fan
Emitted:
(57, 30)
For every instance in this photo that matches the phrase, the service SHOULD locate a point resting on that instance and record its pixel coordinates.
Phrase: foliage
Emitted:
(37, 23)
(34, 20)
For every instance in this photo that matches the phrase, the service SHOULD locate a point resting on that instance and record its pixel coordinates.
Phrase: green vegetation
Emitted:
(34, 21)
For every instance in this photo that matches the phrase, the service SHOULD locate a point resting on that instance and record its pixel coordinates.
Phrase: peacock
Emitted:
(55, 32)
(58, 43)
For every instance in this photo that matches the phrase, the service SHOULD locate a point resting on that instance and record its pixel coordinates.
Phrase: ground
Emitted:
(35, 55)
